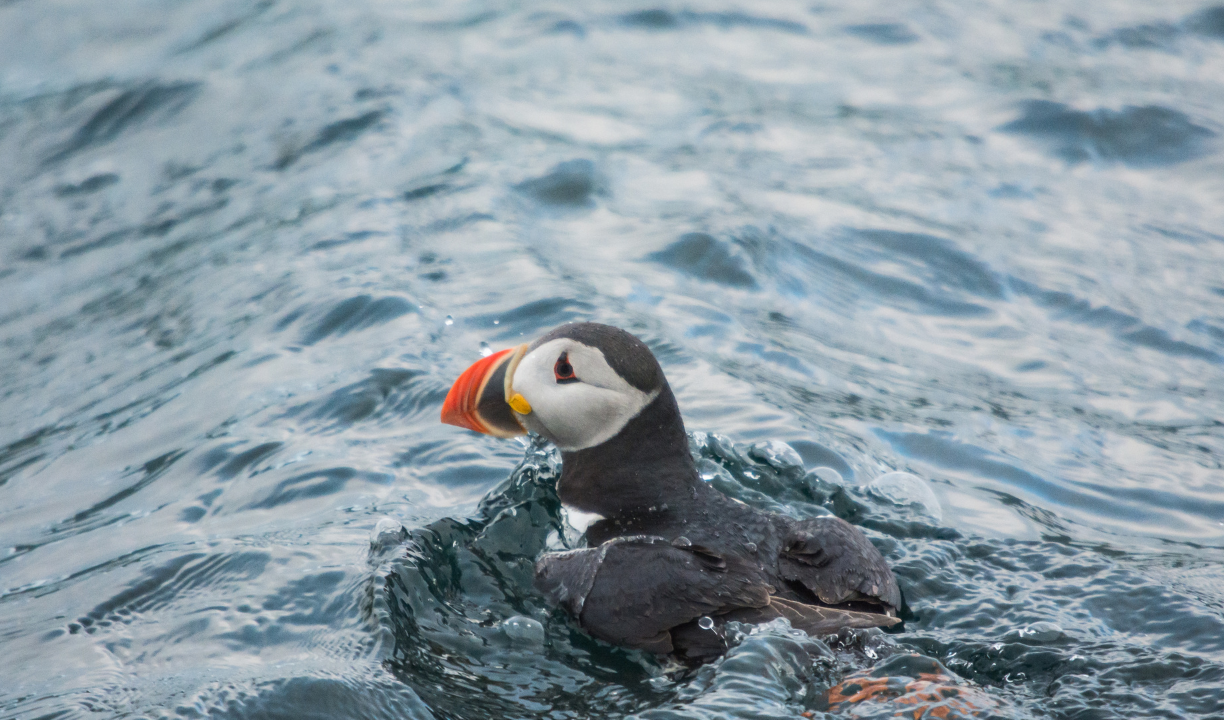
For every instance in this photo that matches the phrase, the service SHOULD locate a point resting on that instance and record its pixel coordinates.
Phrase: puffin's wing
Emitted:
(633, 590)
(838, 564)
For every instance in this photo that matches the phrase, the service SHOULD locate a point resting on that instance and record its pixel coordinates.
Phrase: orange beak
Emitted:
(478, 399)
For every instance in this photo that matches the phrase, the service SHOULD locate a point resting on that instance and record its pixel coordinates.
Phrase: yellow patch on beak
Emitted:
(517, 402)
(520, 404)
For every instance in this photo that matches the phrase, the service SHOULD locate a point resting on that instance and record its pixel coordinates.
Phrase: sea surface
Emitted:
(245, 247)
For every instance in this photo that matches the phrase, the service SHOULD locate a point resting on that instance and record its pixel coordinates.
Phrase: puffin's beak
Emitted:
(482, 398)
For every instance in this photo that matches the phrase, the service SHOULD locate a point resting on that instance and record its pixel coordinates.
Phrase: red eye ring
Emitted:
(563, 371)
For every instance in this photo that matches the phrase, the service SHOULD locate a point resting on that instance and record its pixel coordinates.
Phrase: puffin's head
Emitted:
(577, 386)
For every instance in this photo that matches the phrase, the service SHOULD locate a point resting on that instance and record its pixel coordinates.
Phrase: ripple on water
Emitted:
(124, 110)
(387, 394)
(1165, 35)
(570, 184)
(884, 33)
(356, 313)
(660, 19)
(702, 256)
(1145, 136)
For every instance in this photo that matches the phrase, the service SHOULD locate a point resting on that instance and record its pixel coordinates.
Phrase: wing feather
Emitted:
(836, 562)
(632, 591)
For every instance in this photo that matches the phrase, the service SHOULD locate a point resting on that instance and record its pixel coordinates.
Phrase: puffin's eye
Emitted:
(563, 371)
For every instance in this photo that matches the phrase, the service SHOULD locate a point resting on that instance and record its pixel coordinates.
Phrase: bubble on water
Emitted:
(777, 455)
(682, 542)
(497, 322)
(388, 532)
(523, 630)
(706, 623)
(485, 350)
(1038, 632)
(750, 547)
(902, 488)
(450, 320)
(827, 474)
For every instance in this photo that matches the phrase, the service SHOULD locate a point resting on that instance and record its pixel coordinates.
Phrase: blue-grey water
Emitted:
(245, 248)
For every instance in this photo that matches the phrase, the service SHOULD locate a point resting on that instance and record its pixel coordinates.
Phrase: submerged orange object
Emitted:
(932, 692)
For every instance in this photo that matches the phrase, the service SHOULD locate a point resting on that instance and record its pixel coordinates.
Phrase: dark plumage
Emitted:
(673, 559)
(672, 549)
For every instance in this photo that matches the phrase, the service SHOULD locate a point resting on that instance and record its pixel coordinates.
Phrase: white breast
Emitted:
(577, 519)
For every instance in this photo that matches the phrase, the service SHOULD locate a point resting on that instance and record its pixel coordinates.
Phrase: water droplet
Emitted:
(902, 488)
(497, 322)
(682, 542)
(751, 546)
(523, 630)
(450, 320)
(485, 350)
(706, 623)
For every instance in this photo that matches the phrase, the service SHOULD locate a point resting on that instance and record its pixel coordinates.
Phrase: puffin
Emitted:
(670, 560)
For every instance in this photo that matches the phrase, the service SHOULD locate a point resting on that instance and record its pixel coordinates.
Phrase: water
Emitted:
(246, 247)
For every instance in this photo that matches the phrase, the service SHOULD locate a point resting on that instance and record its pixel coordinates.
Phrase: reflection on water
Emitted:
(247, 247)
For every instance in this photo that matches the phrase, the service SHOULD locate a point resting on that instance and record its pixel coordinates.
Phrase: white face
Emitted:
(580, 413)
